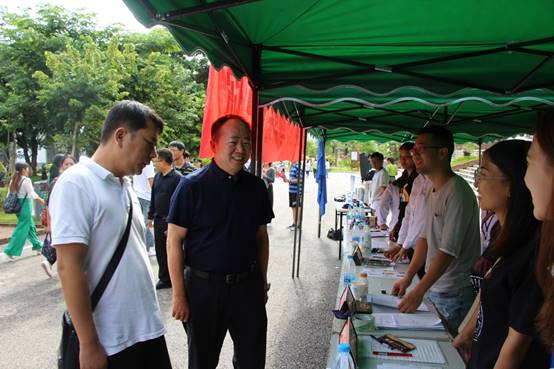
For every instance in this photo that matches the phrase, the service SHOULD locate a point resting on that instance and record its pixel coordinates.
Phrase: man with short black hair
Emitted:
(165, 182)
(219, 278)
(180, 158)
(90, 207)
(449, 243)
(379, 181)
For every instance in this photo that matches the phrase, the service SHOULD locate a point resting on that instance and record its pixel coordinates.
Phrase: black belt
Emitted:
(232, 278)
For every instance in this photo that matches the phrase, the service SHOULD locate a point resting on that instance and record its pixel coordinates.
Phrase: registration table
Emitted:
(377, 285)
(340, 213)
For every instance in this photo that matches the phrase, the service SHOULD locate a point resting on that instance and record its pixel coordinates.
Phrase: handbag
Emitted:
(12, 204)
(47, 250)
(68, 352)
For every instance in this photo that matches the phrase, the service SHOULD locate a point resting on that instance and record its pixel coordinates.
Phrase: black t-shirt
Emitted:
(222, 214)
(510, 298)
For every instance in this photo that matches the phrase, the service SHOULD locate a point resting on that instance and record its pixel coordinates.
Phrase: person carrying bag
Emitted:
(68, 353)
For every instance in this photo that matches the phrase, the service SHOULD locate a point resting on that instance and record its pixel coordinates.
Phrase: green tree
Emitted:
(24, 42)
(82, 83)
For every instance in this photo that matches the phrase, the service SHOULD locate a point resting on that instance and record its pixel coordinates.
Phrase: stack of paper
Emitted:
(384, 273)
(427, 351)
(379, 233)
(421, 321)
(390, 301)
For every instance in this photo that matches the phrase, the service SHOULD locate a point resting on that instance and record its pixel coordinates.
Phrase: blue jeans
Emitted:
(453, 306)
(145, 207)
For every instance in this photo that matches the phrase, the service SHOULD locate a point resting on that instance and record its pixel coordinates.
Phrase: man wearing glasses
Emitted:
(449, 242)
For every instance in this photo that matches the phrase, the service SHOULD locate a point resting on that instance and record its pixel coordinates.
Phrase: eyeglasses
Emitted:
(419, 149)
(478, 176)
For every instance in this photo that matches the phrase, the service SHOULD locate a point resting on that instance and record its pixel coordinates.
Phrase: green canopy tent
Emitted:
(360, 69)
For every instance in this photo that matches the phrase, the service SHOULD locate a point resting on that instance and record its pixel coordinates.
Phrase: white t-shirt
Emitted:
(390, 202)
(452, 226)
(380, 179)
(89, 205)
(26, 188)
(414, 216)
(140, 182)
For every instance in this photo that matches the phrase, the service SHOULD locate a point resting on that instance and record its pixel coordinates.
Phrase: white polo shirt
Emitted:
(390, 202)
(89, 205)
(380, 179)
(414, 216)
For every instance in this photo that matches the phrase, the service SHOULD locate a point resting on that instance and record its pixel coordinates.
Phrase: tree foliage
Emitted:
(60, 74)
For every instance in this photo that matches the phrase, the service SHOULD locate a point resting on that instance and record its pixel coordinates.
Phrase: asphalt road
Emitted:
(299, 310)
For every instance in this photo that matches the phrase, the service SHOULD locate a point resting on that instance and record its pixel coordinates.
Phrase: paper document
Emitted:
(427, 351)
(404, 366)
(390, 301)
(379, 233)
(384, 273)
(421, 321)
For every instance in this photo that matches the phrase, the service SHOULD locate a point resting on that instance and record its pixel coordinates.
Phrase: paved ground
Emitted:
(298, 310)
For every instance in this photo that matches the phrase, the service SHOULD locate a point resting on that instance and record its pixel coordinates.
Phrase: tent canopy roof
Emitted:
(407, 57)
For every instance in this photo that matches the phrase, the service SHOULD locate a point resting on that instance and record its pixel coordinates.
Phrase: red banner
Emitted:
(227, 95)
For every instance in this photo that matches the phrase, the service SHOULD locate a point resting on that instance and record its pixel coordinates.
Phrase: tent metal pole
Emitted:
(301, 213)
(297, 203)
(254, 127)
(319, 212)
(194, 10)
(259, 142)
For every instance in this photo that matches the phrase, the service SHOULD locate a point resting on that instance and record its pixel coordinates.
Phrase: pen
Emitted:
(398, 354)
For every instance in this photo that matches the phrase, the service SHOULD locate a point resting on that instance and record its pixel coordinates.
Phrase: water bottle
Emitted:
(349, 270)
(343, 359)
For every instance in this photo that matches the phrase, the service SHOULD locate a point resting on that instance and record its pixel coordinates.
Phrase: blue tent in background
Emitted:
(321, 178)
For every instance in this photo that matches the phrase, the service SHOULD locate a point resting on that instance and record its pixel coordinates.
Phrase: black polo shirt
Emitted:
(222, 214)
(162, 190)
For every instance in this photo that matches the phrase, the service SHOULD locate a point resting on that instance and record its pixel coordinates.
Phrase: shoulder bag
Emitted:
(68, 352)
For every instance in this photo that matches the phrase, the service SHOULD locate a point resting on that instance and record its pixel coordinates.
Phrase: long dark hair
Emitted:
(510, 157)
(544, 135)
(16, 177)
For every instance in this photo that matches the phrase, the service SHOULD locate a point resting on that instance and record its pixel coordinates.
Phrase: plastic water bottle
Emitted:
(349, 270)
(343, 359)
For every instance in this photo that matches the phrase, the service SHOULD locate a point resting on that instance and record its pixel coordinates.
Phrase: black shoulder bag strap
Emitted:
(114, 262)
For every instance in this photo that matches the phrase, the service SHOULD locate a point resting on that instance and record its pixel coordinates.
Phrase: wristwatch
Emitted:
(267, 286)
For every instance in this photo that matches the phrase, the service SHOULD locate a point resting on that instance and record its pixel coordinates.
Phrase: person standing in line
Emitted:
(25, 229)
(268, 175)
(142, 184)
(295, 181)
(165, 182)
(219, 278)
(539, 178)
(126, 328)
(450, 242)
(180, 158)
(391, 168)
(308, 167)
(48, 251)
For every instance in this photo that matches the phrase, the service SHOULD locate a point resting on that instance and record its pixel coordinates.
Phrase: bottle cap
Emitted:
(350, 257)
(363, 274)
(344, 347)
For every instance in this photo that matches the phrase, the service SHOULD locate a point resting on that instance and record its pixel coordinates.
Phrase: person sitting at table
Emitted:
(501, 332)
(449, 242)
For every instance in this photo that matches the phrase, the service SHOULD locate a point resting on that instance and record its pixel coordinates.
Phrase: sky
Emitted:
(107, 11)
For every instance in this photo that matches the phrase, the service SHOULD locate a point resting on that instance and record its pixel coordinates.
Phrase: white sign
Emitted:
(354, 155)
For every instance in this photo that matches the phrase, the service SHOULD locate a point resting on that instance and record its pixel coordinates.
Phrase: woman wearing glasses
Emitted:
(540, 181)
(500, 333)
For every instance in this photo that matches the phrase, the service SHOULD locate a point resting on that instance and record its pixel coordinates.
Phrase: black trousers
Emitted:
(150, 354)
(217, 307)
(160, 240)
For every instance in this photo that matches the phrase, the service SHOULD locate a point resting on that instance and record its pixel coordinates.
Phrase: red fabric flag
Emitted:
(227, 95)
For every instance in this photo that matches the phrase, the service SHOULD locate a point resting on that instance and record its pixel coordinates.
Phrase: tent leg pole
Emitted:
(259, 142)
(301, 215)
(255, 143)
(296, 208)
